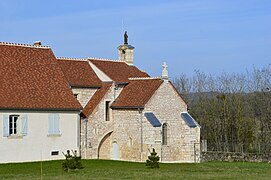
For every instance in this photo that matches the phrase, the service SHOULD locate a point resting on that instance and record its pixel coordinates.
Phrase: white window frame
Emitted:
(14, 125)
(13, 128)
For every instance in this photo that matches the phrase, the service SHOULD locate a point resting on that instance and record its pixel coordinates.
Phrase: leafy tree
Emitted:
(72, 161)
(153, 160)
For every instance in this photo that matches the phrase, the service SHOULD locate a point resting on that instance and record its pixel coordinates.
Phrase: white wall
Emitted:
(37, 144)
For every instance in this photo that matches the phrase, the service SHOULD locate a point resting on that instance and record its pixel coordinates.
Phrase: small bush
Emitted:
(72, 161)
(153, 160)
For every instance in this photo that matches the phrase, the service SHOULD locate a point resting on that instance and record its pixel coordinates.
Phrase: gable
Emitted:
(118, 71)
(166, 98)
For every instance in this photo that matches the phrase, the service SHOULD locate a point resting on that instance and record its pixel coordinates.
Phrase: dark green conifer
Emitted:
(153, 160)
(71, 161)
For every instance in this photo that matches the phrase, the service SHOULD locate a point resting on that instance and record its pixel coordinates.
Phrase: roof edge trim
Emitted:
(24, 45)
(78, 86)
(127, 107)
(104, 59)
(144, 78)
(72, 59)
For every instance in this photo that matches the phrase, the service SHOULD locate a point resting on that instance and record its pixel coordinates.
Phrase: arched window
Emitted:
(164, 134)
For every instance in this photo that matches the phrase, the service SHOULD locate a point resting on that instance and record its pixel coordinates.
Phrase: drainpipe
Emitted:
(86, 135)
(141, 133)
(161, 132)
(78, 133)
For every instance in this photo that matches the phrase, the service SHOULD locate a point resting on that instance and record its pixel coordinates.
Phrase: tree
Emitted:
(234, 110)
(153, 160)
(71, 161)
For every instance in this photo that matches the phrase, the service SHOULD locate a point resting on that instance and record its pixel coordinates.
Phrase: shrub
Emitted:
(153, 160)
(71, 161)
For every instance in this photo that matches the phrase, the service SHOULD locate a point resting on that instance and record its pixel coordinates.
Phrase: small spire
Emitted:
(125, 38)
(165, 72)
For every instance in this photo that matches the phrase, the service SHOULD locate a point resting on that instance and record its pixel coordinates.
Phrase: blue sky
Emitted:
(213, 36)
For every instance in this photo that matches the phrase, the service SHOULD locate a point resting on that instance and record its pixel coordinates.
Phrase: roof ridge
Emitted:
(144, 78)
(104, 59)
(24, 45)
(75, 59)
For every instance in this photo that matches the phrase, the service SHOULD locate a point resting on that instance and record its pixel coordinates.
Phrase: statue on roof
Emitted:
(125, 38)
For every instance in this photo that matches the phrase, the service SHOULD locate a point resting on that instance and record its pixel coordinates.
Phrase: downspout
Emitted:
(86, 135)
(78, 133)
(161, 131)
(141, 133)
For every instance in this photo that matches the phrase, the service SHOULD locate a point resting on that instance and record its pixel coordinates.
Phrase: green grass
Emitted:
(102, 169)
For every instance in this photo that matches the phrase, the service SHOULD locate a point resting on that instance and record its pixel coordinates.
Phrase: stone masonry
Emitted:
(167, 106)
(125, 126)
(96, 131)
(84, 94)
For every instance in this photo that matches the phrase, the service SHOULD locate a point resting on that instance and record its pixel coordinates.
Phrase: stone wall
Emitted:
(234, 157)
(84, 94)
(167, 106)
(127, 134)
(95, 129)
(130, 136)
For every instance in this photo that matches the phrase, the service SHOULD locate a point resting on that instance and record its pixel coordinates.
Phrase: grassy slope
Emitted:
(102, 169)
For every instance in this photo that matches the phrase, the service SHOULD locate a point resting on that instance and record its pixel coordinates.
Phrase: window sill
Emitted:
(15, 136)
(54, 135)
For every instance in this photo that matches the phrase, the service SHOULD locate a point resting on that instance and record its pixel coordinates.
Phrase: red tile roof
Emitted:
(31, 78)
(137, 93)
(96, 99)
(118, 71)
(79, 73)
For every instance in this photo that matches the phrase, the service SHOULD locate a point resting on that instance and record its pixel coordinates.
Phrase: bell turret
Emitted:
(126, 51)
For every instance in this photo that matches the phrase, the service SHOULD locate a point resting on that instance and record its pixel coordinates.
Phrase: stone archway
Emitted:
(104, 148)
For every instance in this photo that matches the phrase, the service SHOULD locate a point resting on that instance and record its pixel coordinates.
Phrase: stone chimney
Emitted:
(37, 43)
(126, 51)
(164, 72)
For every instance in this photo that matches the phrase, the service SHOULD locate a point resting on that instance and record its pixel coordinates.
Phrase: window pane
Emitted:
(107, 115)
(13, 124)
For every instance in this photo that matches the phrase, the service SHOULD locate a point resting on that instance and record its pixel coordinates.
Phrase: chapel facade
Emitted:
(126, 113)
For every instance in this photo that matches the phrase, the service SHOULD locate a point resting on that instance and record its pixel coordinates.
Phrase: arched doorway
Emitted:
(105, 147)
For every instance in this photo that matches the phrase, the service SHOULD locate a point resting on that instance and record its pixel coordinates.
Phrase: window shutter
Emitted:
(51, 124)
(5, 125)
(24, 124)
(56, 124)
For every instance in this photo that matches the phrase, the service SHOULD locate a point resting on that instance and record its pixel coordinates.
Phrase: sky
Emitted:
(212, 36)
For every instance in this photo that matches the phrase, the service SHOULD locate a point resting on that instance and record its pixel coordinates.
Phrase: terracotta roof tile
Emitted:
(118, 71)
(79, 73)
(31, 78)
(96, 99)
(137, 93)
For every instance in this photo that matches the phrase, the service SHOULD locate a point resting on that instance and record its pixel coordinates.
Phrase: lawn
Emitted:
(102, 169)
